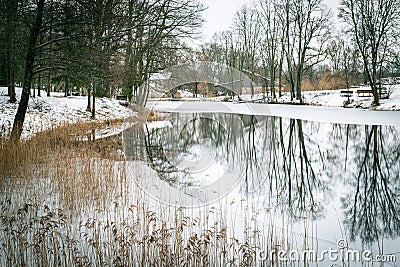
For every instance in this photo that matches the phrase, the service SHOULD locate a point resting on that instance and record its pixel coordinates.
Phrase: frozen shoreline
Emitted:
(311, 113)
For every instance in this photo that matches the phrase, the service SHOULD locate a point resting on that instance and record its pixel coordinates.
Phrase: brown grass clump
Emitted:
(68, 154)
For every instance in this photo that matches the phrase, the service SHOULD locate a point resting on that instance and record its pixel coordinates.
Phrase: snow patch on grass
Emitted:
(333, 98)
(46, 112)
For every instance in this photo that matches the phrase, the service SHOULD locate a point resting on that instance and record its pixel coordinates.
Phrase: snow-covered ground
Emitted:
(329, 98)
(334, 99)
(46, 112)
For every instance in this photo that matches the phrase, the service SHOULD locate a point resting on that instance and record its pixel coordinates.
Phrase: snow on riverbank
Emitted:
(328, 98)
(333, 98)
(46, 112)
(311, 113)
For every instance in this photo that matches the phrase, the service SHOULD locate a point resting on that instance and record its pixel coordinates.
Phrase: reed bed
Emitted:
(67, 201)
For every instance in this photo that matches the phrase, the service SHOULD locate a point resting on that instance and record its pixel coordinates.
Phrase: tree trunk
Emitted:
(34, 89)
(88, 100)
(94, 102)
(12, 9)
(371, 77)
(290, 80)
(66, 87)
(195, 89)
(11, 84)
(30, 59)
(280, 74)
(375, 92)
(272, 82)
(48, 85)
(39, 82)
(298, 86)
(128, 83)
(10, 77)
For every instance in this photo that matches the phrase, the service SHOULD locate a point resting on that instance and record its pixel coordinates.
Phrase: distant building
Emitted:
(202, 88)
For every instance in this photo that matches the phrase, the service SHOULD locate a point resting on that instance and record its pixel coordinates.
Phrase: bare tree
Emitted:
(272, 55)
(371, 23)
(247, 26)
(224, 48)
(154, 27)
(306, 31)
(351, 65)
(345, 58)
(335, 52)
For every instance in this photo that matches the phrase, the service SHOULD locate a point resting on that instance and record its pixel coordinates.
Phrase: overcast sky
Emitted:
(220, 13)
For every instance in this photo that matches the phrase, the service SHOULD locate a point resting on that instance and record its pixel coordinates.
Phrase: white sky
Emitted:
(220, 13)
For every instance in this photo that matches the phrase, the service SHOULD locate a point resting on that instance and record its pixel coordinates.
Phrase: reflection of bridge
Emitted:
(258, 79)
(261, 81)
(227, 83)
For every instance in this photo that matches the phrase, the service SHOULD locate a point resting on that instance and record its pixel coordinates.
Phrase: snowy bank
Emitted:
(311, 113)
(335, 99)
(327, 98)
(46, 112)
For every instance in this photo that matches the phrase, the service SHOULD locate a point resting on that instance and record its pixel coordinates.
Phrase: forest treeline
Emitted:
(105, 44)
(101, 45)
(300, 44)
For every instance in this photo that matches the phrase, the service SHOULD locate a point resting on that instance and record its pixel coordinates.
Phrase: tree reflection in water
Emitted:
(286, 165)
(372, 206)
(169, 148)
(293, 165)
(302, 186)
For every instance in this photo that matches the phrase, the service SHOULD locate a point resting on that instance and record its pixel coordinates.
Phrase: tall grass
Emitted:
(67, 201)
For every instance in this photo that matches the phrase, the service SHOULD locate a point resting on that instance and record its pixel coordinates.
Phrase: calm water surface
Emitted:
(342, 178)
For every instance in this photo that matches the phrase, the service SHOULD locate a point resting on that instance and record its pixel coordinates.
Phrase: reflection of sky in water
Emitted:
(342, 178)
(199, 161)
